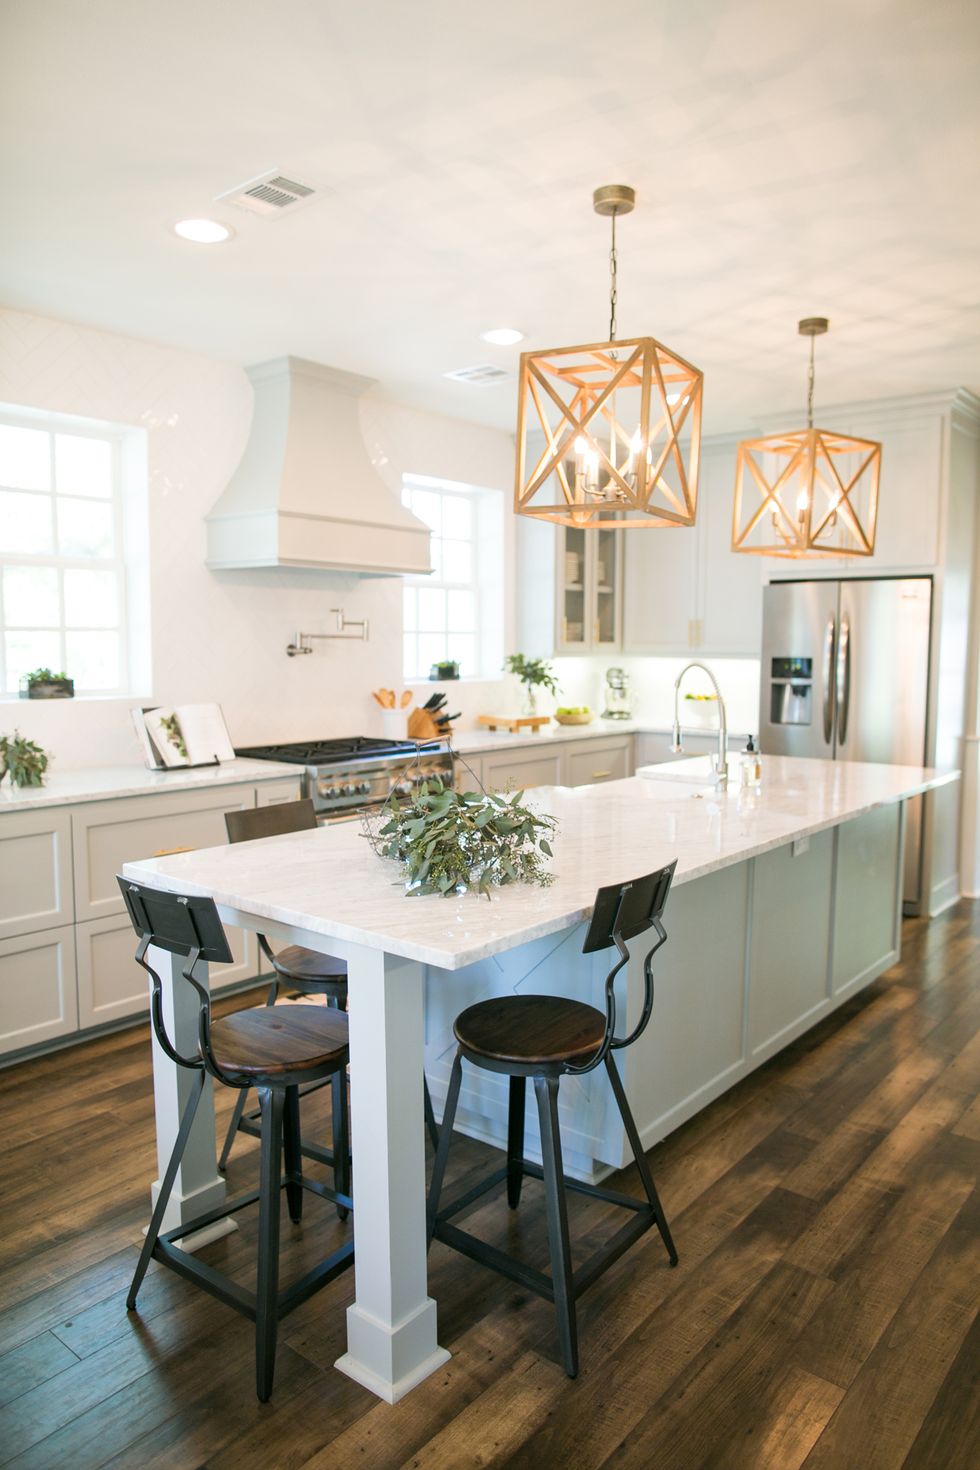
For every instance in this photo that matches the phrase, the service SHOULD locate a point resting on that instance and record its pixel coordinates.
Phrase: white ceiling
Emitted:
(789, 160)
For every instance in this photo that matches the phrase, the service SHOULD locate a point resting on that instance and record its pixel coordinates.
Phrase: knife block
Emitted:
(421, 726)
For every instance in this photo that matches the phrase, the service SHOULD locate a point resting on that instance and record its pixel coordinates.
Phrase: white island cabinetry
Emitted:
(66, 944)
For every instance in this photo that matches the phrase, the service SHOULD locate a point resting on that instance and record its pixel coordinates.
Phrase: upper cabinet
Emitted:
(685, 591)
(569, 590)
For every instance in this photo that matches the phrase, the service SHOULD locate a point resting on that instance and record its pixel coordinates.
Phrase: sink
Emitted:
(691, 770)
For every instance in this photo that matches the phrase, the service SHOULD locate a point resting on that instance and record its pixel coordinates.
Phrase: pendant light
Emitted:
(810, 493)
(609, 434)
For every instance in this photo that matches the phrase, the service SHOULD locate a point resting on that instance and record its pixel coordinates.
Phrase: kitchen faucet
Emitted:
(719, 762)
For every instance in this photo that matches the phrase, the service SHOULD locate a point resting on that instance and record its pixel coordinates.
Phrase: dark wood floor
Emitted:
(824, 1312)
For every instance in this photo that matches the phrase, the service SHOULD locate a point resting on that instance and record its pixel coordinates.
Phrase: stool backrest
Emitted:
(627, 909)
(271, 821)
(182, 924)
(623, 912)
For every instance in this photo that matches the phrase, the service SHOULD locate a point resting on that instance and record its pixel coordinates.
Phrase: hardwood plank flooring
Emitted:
(823, 1316)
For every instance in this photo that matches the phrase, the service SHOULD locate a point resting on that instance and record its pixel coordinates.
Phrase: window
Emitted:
(456, 613)
(63, 596)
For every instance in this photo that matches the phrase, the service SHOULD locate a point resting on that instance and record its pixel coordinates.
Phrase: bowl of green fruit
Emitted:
(575, 714)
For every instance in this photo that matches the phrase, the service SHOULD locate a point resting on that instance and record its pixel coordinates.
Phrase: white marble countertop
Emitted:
(99, 783)
(330, 883)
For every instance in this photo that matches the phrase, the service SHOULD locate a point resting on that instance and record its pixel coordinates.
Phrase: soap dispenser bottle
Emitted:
(750, 767)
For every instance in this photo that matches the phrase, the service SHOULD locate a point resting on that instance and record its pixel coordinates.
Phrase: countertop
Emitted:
(99, 783)
(330, 883)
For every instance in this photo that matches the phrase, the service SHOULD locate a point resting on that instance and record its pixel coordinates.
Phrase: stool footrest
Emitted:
(489, 1255)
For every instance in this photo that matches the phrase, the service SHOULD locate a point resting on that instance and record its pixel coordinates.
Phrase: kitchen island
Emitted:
(786, 902)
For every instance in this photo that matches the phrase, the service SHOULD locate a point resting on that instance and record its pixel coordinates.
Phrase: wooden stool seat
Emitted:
(274, 1041)
(307, 965)
(530, 1029)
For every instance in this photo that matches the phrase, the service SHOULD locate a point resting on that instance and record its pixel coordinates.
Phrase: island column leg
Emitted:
(391, 1327)
(198, 1186)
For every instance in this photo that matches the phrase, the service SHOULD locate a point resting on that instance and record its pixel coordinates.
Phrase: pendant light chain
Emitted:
(809, 387)
(613, 291)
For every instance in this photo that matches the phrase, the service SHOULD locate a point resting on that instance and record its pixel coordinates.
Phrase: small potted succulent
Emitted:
(534, 674)
(447, 668)
(25, 760)
(42, 684)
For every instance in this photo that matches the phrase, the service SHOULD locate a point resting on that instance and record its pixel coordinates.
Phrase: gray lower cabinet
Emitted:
(66, 945)
(594, 761)
(38, 1000)
(510, 770)
(35, 871)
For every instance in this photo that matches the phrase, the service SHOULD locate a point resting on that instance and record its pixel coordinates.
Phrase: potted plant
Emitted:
(446, 668)
(534, 674)
(452, 842)
(42, 684)
(25, 761)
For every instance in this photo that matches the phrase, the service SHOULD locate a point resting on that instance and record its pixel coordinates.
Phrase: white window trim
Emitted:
(486, 587)
(129, 549)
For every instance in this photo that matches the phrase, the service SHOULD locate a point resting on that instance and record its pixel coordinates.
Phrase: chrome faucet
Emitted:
(719, 762)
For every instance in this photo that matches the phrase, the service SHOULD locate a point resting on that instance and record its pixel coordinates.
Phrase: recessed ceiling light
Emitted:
(203, 231)
(503, 336)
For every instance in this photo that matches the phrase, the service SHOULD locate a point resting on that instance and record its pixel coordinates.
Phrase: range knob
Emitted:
(404, 788)
(364, 789)
(349, 790)
(328, 793)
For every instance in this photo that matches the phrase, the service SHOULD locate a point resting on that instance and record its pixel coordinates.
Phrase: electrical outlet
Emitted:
(800, 846)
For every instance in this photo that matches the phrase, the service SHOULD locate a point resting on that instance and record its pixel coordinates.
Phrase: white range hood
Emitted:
(305, 493)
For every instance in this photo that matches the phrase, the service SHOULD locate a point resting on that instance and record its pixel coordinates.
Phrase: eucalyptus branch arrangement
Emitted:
(452, 842)
(25, 760)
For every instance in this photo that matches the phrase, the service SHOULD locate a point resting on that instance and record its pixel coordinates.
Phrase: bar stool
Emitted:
(547, 1037)
(273, 1051)
(309, 973)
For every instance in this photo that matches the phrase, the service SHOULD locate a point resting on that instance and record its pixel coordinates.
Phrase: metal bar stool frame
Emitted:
(621, 914)
(204, 939)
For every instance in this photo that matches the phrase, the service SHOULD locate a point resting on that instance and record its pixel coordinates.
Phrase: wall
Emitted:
(222, 636)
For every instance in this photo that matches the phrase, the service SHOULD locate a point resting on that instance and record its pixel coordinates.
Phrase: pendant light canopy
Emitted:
(608, 434)
(810, 493)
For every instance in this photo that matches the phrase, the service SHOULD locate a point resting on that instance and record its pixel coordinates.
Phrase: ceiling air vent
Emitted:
(482, 376)
(269, 194)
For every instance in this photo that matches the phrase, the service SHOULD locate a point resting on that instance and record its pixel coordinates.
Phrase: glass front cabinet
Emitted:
(588, 566)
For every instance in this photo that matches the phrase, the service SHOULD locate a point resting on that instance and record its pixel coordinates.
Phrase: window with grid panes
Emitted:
(442, 611)
(62, 567)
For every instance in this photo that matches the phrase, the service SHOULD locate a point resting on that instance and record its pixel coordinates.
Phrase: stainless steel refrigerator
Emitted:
(845, 676)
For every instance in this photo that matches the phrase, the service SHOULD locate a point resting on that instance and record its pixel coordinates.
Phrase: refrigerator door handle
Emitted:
(828, 690)
(843, 678)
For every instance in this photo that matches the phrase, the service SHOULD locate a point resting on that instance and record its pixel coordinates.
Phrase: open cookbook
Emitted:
(183, 735)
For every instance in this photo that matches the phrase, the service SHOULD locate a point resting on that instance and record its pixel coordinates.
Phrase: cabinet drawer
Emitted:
(596, 762)
(274, 793)
(37, 988)
(107, 834)
(468, 773)
(522, 768)
(35, 871)
(111, 985)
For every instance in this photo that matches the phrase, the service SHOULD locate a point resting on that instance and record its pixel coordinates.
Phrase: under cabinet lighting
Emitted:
(203, 231)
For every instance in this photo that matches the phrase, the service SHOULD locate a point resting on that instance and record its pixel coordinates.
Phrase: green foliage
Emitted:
(532, 671)
(451, 842)
(44, 676)
(173, 732)
(26, 761)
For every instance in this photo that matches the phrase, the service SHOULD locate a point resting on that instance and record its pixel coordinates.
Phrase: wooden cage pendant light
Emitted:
(609, 434)
(810, 493)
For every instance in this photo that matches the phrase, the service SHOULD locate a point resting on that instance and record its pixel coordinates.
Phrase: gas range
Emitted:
(346, 777)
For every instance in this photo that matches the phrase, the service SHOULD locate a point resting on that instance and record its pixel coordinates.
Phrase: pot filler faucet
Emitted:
(719, 762)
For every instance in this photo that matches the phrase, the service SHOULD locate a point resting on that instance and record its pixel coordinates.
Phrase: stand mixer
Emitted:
(617, 696)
